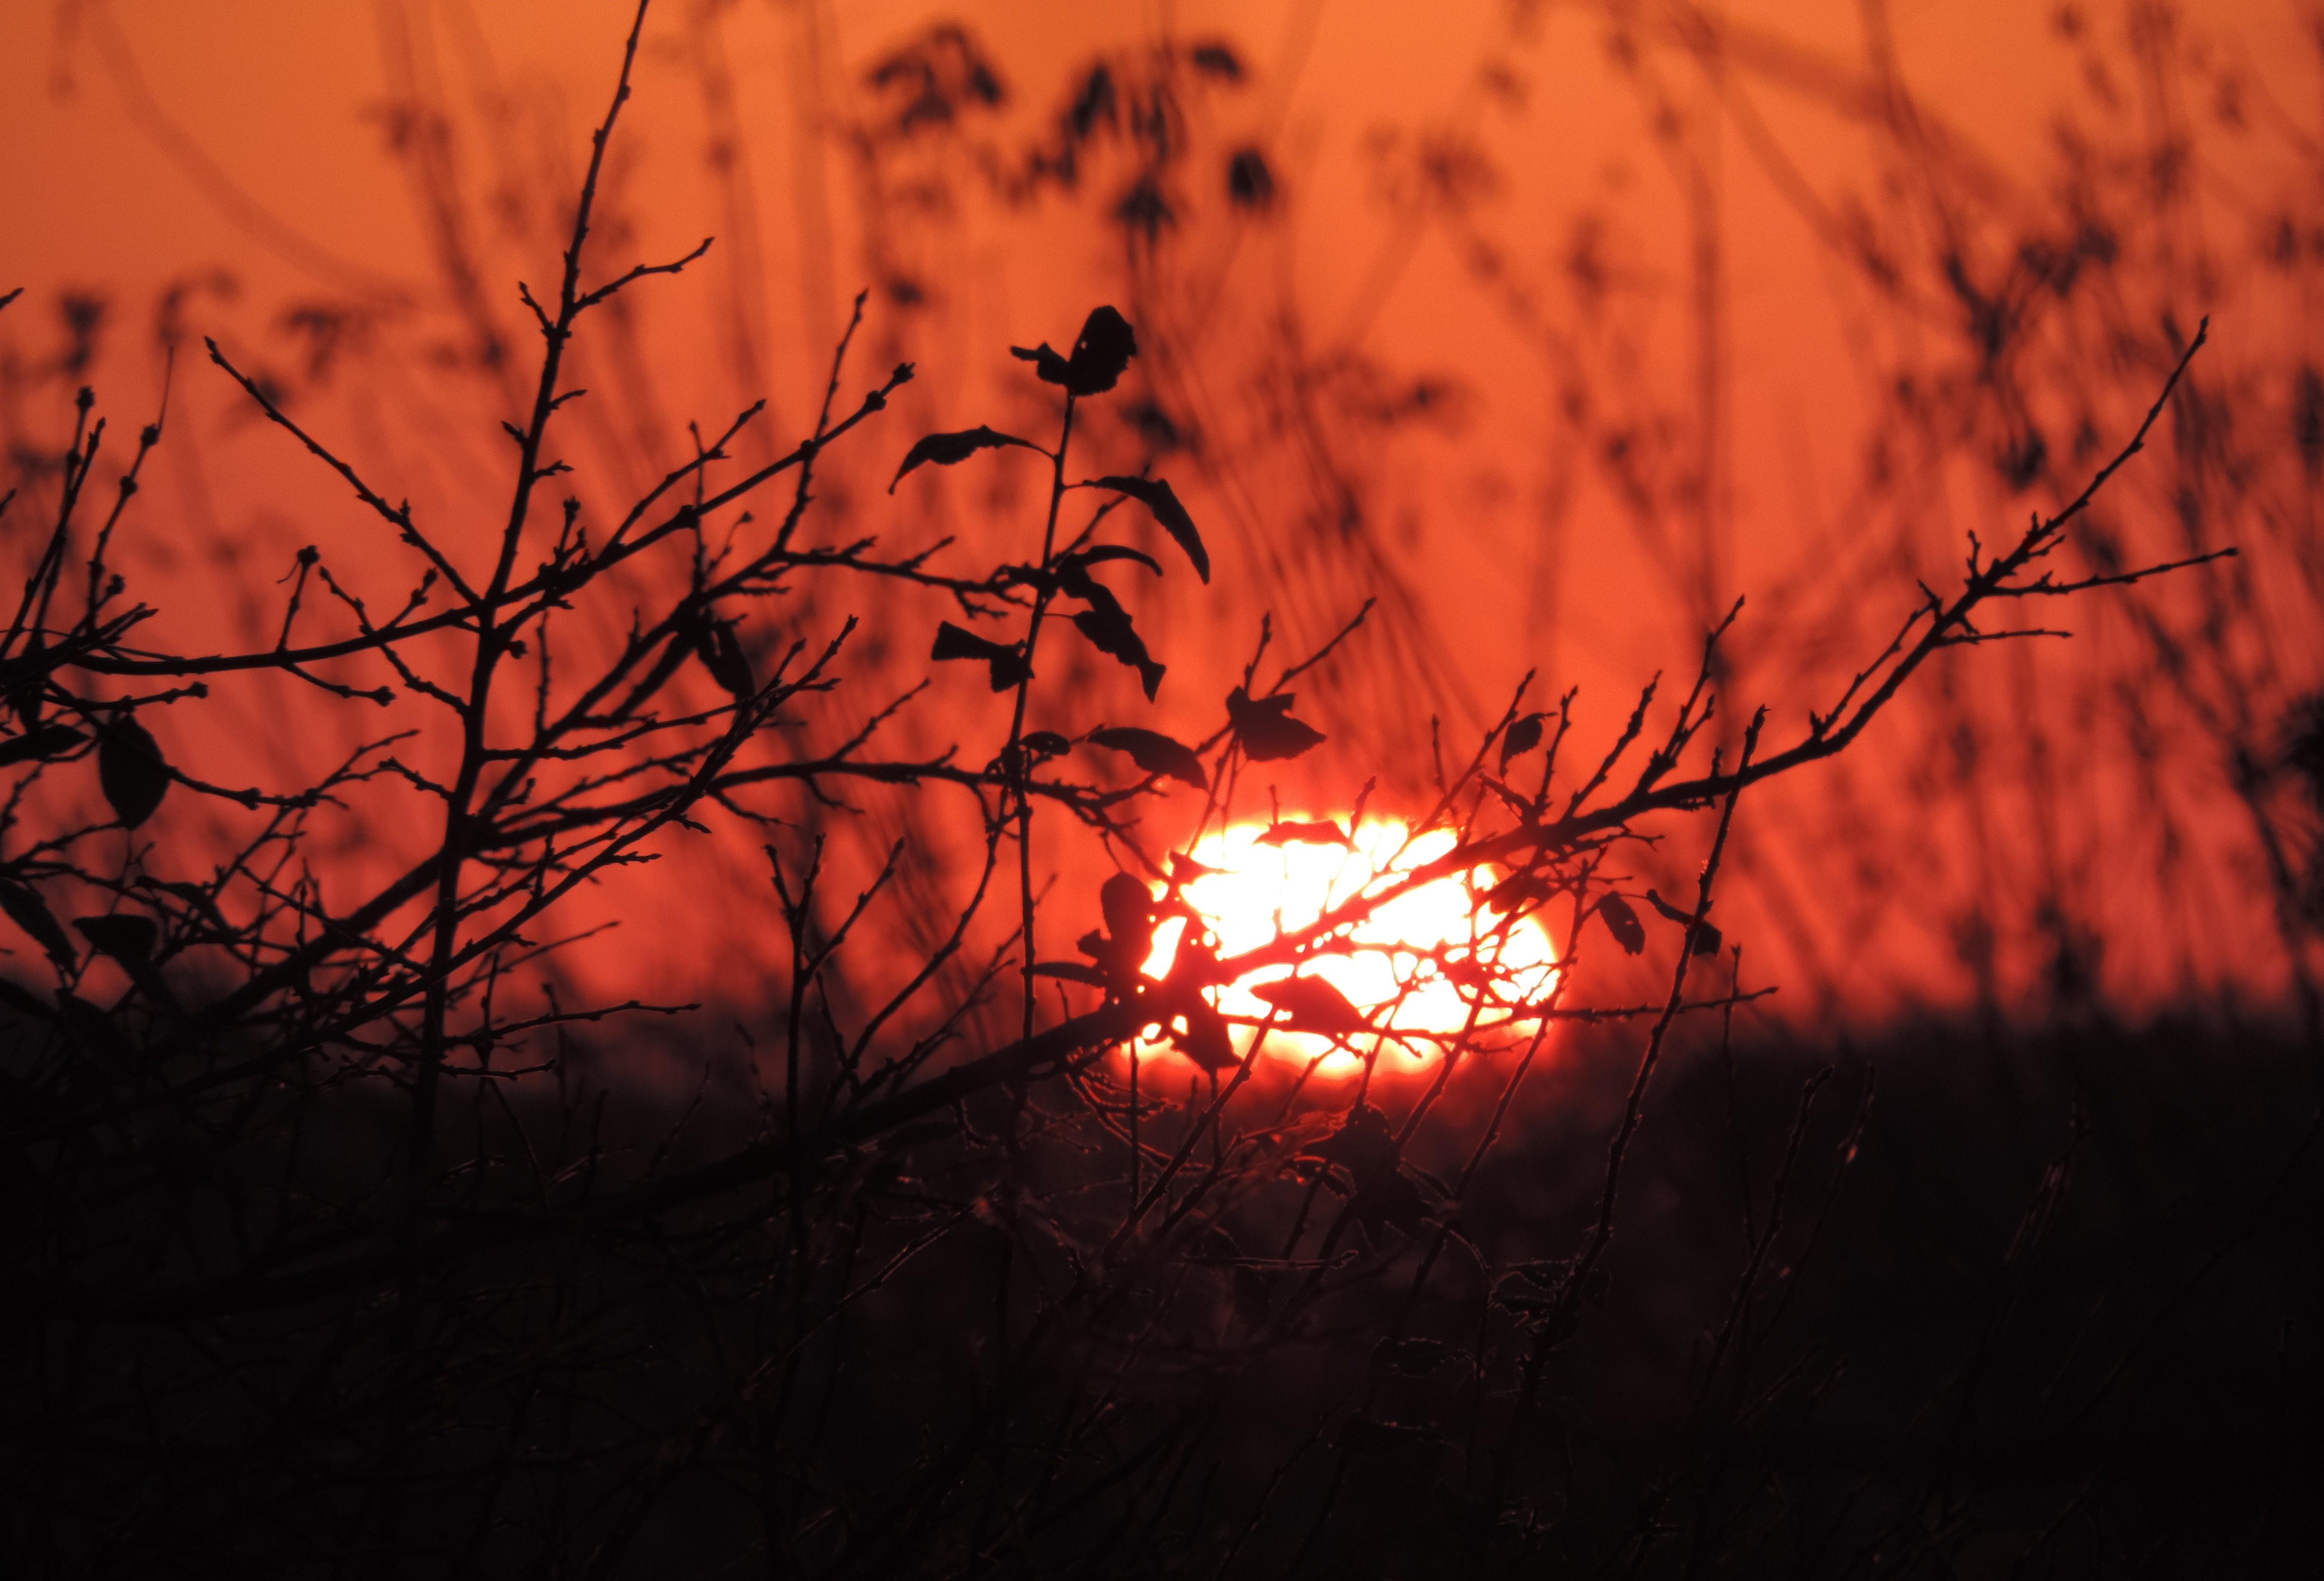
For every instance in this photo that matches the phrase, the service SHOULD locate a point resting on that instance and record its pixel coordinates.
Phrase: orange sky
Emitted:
(153, 141)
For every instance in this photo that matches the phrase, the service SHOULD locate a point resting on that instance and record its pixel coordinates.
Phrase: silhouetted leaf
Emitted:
(1157, 496)
(1047, 365)
(1205, 1040)
(1106, 623)
(1100, 553)
(1623, 923)
(125, 936)
(48, 741)
(1128, 937)
(951, 449)
(1046, 744)
(1009, 666)
(1524, 735)
(1107, 627)
(1266, 729)
(721, 653)
(1364, 1145)
(1312, 1004)
(1306, 833)
(1106, 345)
(1703, 939)
(1519, 889)
(1072, 971)
(1129, 908)
(1156, 754)
(1100, 353)
(30, 912)
(26, 682)
(130, 770)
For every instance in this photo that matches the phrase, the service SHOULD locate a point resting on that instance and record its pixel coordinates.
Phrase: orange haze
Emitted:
(1542, 246)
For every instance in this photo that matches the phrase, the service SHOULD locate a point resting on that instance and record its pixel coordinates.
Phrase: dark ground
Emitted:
(2059, 1315)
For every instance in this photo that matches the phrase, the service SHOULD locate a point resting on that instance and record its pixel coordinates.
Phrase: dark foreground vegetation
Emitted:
(345, 1239)
(1990, 1307)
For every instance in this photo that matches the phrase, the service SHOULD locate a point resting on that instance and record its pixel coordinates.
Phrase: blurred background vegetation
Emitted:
(1556, 327)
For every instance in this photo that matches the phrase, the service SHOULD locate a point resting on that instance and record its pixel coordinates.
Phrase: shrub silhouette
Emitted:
(330, 1257)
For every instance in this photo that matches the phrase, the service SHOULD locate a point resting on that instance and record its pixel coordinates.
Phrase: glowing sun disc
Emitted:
(1394, 970)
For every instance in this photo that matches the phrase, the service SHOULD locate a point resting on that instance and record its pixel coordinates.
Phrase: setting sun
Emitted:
(1395, 967)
